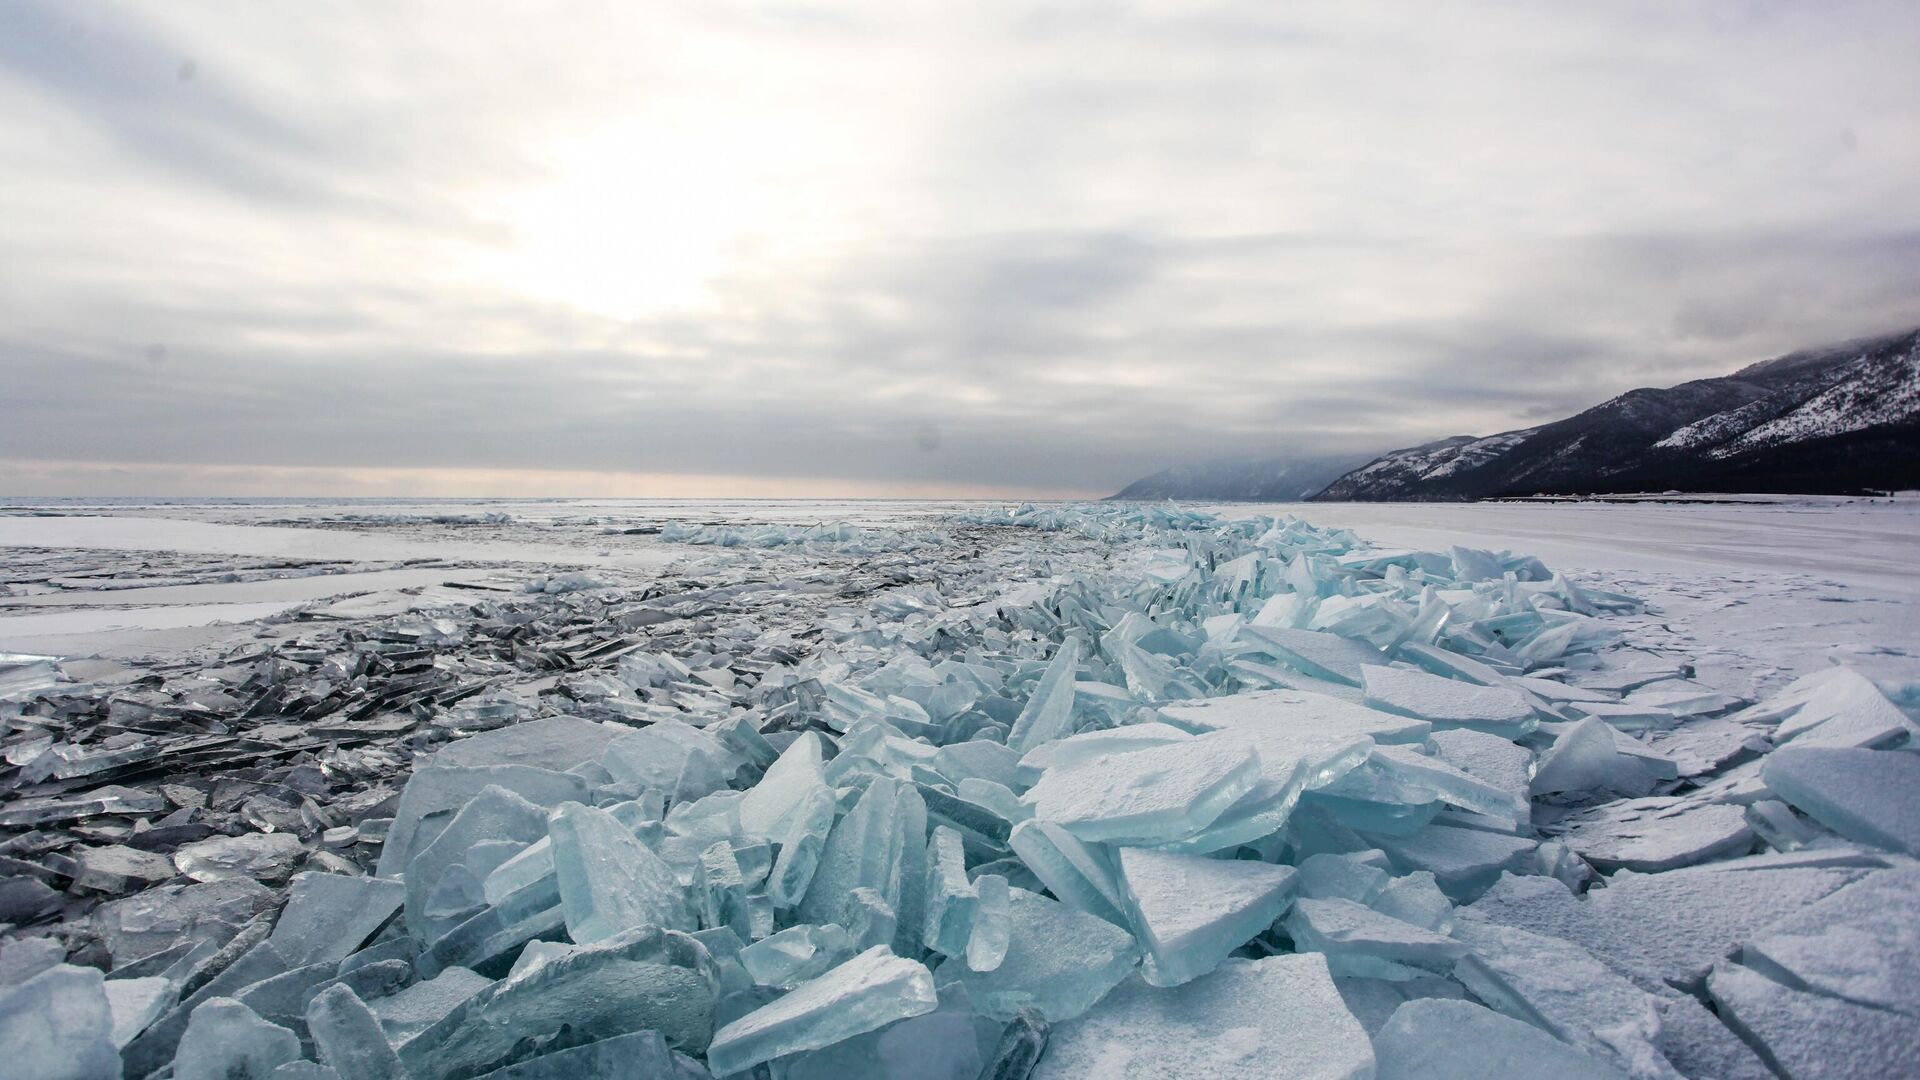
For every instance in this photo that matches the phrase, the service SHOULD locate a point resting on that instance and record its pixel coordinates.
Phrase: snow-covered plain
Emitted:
(599, 788)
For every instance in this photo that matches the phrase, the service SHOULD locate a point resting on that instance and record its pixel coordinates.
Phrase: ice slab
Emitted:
(1079, 874)
(1058, 963)
(1563, 990)
(1048, 713)
(1859, 944)
(1345, 930)
(967, 919)
(1251, 1019)
(1663, 929)
(1448, 702)
(1835, 707)
(645, 979)
(558, 743)
(1872, 796)
(1434, 1039)
(225, 1039)
(349, 1037)
(1191, 912)
(871, 990)
(796, 774)
(1295, 711)
(329, 916)
(265, 857)
(495, 813)
(609, 881)
(792, 956)
(1588, 756)
(1312, 652)
(878, 845)
(442, 789)
(638, 1054)
(1464, 862)
(1091, 745)
(59, 1024)
(1804, 1036)
(417, 1007)
(1654, 834)
(1157, 795)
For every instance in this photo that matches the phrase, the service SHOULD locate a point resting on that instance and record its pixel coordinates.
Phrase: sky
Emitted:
(900, 248)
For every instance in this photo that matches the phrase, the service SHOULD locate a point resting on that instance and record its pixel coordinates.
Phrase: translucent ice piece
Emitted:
(1190, 912)
(1834, 707)
(1081, 875)
(267, 857)
(796, 774)
(1059, 962)
(225, 1039)
(1358, 876)
(1321, 655)
(495, 813)
(555, 742)
(1872, 796)
(1248, 1020)
(1465, 862)
(1589, 757)
(1654, 834)
(794, 955)
(1448, 702)
(1091, 745)
(1416, 898)
(412, 1010)
(645, 979)
(1435, 1039)
(609, 881)
(638, 1054)
(136, 1003)
(59, 1023)
(1296, 712)
(440, 789)
(802, 839)
(330, 915)
(959, 910)
(1449, 784)
(950, 1043)
(1048, 713)
(1150, 796)
(349, 1037)
(659, 755)
(1343, 929)
(865, 849)
(872, 989)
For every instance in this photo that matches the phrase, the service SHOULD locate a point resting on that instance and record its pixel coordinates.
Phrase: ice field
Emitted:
(578, 788)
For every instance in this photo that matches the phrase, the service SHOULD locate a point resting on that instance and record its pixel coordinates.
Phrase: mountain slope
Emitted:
(1837, 419)
(1263, 480)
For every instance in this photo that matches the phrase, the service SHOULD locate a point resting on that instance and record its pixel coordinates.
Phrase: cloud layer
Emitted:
(888, 247)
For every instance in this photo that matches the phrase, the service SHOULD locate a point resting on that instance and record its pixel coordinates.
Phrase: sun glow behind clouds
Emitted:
(646, 213)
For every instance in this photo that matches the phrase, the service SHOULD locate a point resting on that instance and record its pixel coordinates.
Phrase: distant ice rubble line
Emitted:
(1245, 799)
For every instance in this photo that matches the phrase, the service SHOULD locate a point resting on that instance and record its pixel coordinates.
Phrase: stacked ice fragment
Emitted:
(1239, 798)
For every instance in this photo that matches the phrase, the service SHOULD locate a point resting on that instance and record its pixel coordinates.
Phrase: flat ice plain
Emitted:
(1505, 789)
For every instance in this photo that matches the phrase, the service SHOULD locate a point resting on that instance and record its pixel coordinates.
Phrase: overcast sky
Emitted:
(894, 247)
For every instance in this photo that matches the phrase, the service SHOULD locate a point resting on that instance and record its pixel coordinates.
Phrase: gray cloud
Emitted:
(1029, 248)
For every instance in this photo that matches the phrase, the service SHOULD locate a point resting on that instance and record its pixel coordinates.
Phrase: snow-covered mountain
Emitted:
(1837, 419)
(1290, 479)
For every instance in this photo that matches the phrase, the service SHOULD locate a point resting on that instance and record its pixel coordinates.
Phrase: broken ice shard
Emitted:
(1048, 713)
(1160, 794)
(609, 881)
(1435, 1039)
(1448, 702)
(1058, 962)
(58, 1023)
(1249, 1019)
(872, 989)
(1872, 796)
(1190, 912)
(349, 1037)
